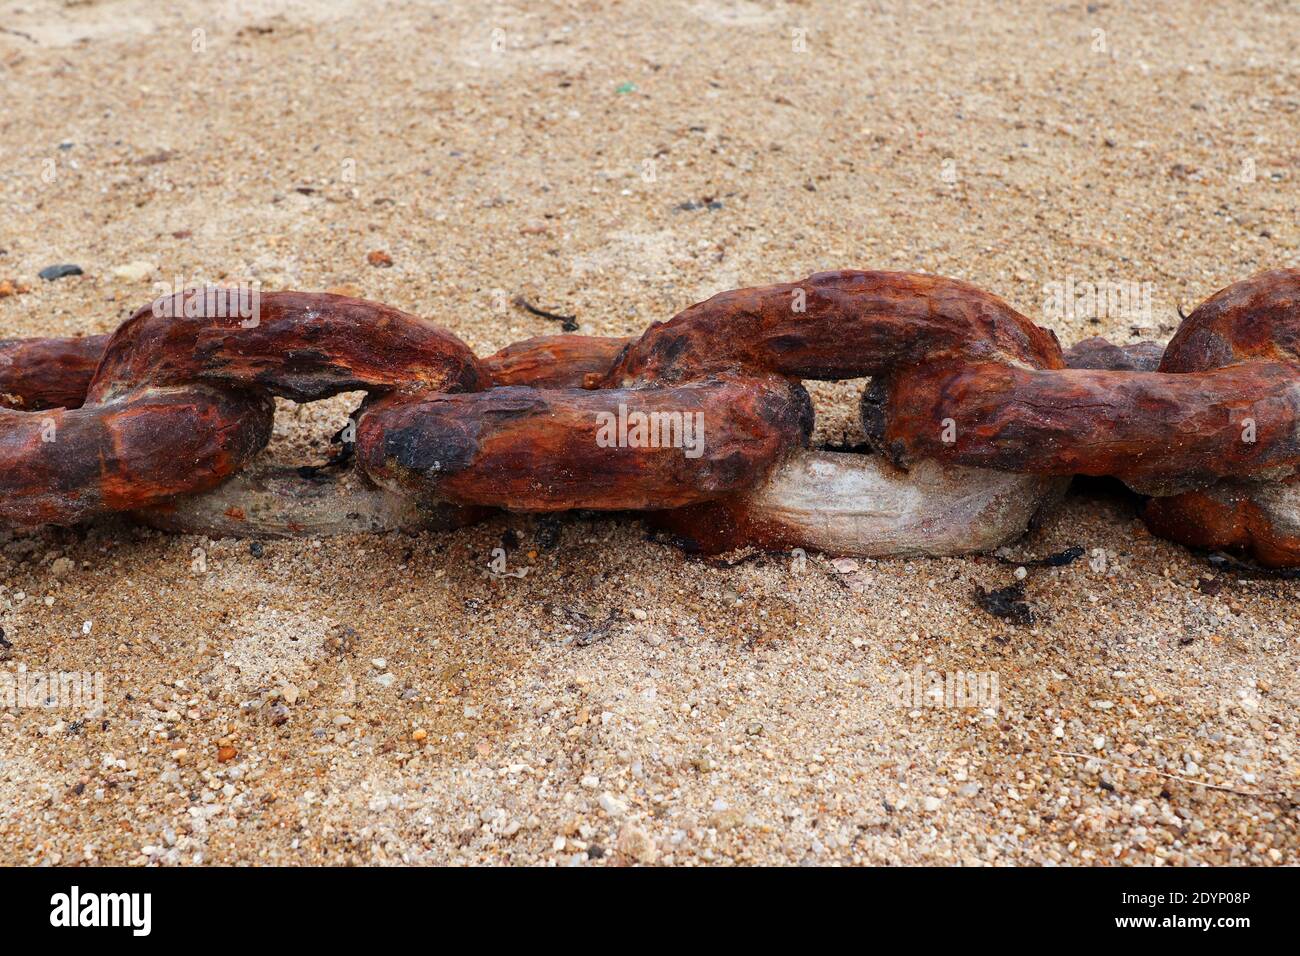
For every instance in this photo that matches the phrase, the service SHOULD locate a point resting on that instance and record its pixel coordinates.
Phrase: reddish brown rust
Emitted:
(48, 373)
(538, 450)
(56, 372)
(66, 465)
(531, 449)
(555, 361)
(958, 377)
(965, 379)
(181, 398)
(837, 325)
(298, 345)
(1160, 433)
(1233, 516)
(1246, 325)
(1257, 319)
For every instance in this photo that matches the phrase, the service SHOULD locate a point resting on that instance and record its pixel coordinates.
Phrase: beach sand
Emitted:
(386, 699)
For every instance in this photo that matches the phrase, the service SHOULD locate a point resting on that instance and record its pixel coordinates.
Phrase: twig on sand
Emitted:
(569, 323)
(19, 33)
(1171, 776)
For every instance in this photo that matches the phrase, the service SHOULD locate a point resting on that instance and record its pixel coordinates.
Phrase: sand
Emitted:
(387, 699)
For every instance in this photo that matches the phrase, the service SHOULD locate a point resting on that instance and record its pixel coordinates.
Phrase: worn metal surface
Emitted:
(975, 411)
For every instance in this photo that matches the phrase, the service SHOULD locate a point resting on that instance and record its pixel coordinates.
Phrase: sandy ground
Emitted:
(385, 699)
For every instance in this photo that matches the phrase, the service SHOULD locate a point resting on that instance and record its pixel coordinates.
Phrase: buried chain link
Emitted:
(976, 418)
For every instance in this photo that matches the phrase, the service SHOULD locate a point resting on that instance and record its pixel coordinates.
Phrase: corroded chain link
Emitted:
(976, 416)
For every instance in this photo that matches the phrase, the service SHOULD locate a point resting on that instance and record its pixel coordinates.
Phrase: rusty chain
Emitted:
(976, 417)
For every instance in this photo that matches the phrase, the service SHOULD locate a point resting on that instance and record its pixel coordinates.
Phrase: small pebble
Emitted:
(612, 805)
(50, 273)
(135, 271)
(637, 845)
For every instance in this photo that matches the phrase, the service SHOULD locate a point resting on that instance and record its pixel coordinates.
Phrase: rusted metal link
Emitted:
(978, 415)
(48, 373)
(556, 361)
(302, 346)
(1159, 433)
(1251, 323)
(137, 449)
(181, 397)
(530, 449)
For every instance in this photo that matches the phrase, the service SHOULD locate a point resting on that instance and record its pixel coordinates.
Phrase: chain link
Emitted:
(976, 417)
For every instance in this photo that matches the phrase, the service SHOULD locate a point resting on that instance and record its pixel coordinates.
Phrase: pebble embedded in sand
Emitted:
(135, 271)
(637, 844)
(50, 273)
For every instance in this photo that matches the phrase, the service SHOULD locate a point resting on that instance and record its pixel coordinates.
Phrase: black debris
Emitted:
(708, 202)
(50, 273)
(1058, 560)
(548, 532)
(596, 632)
(1007, 603)
(569, 323)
